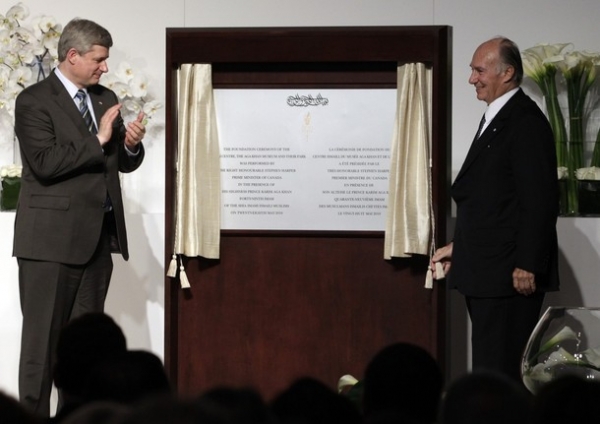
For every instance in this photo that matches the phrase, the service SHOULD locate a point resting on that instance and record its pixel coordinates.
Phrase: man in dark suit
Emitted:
(504, 254)
(70, 213)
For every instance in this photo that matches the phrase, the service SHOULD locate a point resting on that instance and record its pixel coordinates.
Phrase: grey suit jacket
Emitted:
(66, 174)
(507, 204)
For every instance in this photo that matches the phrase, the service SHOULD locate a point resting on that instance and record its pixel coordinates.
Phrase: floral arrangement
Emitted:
(558, 69)
(10, 171)
(553, 360)
(28, 53)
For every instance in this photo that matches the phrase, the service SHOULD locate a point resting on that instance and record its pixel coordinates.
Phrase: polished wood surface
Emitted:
(275, 308)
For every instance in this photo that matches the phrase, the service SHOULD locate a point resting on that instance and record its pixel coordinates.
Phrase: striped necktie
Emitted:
(81, 96)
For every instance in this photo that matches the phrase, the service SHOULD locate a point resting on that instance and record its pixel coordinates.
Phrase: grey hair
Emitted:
(82, 35)
(510, 55)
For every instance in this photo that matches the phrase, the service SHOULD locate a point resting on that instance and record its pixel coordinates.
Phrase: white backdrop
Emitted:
(136, 297)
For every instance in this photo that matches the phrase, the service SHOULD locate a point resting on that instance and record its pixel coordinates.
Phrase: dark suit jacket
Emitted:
(506, 195)
(66, 174)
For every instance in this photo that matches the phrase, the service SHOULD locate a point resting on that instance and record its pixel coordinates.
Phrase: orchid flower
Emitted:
(19, 12)
(124, 72)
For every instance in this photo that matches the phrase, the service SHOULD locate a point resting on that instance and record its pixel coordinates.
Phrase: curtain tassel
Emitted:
(185, 284)
(172, 271)
(439, 271)
(429, 278)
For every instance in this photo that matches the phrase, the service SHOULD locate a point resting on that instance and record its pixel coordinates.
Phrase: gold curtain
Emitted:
(409, 224)
(198, 180)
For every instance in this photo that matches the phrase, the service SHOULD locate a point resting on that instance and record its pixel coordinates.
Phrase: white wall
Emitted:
(136, 297)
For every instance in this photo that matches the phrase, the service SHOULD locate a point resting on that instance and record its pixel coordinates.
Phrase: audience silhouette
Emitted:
(309, 401)
(12, 412)
(402, 382)
(226, 405)
(127, 378)
(83, 343)
(96, 413)
(485, 397)
(569, 399)
(165, 410)
(100, 381)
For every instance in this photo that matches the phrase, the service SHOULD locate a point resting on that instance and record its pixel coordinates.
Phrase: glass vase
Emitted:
(565, 341)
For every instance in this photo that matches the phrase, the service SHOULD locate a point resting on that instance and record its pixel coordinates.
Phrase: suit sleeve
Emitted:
(50, 142)
(535, 168)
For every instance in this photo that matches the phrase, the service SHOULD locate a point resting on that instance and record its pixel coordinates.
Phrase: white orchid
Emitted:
(27, 54)
(132, 89)
(18, 12)
(139, 86)
(121, 89)
(44, 25)
(151, 107)
(132, 106)
(124, 72)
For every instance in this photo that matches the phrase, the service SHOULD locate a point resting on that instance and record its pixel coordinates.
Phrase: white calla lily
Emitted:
(592, 356)
(565, 333)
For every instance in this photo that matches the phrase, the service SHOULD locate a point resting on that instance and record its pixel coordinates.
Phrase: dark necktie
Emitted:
(81, 96)
(480, 129)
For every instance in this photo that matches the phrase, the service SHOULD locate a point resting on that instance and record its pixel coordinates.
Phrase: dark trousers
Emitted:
(500, 330)
(51, 295)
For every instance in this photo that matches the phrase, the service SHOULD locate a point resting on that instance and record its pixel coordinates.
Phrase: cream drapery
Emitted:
(198, 180)
(409, 224)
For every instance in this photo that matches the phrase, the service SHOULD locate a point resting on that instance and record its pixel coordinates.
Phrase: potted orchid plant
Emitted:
(567, 76)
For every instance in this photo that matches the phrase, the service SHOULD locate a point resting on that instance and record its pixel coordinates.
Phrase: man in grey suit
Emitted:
(504, 254)
(70, 216)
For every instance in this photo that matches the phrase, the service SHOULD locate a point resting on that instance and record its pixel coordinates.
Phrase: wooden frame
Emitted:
(281, 305)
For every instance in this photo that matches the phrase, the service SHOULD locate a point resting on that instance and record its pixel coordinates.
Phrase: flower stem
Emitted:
(595, 161)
